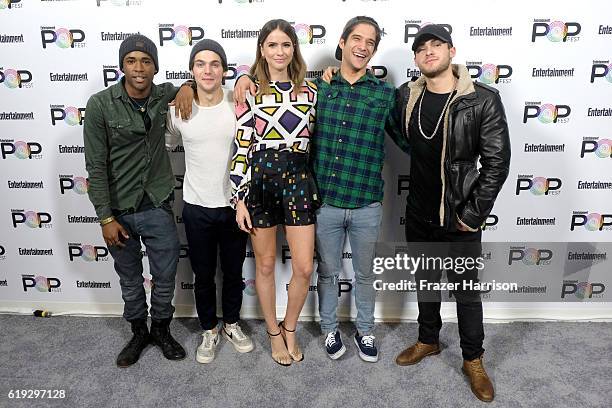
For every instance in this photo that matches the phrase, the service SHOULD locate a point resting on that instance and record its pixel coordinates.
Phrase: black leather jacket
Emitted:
(475, 128)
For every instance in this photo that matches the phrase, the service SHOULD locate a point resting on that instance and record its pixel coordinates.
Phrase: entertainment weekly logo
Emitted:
(180, 35)
(538, 186)
(11, 39)
(40, 283)
(10, 4)
(71, 115)
(601, 69)
(490, 73)
(309, 33)
(16, 78)
(76, 184)
(555, 31)
(411, 27)
(546, 112)
(111, 74)
(594, 222)
(596, 147)
(529, 256)
(33, 219)
(62, 37)
(87, 252)
(9, 148)
(490, 223)
(582, 290)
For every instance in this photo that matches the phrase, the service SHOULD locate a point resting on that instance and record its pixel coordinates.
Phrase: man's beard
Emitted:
(437, 71)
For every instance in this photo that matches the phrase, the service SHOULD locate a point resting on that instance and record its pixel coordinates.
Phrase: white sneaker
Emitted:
(233, 333)
(206, 351)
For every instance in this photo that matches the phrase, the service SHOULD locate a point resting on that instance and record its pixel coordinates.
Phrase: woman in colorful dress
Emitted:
(271, 181)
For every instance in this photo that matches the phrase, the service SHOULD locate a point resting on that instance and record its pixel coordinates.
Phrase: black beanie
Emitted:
(138, 42)
(208, 45)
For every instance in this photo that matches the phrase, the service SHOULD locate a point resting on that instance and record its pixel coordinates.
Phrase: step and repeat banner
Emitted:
(550, 63)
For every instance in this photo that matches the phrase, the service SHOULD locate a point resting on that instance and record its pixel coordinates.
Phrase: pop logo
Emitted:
(15, 78)
(582, 290)
(183, 251)
(379, 71)
(41, 283)
(110, 74)
(148, 284)
(601, 147)
(591, 221)
(21, 150)
(178, 182)
(403, 183)
(556, 31)
(310, 33)
(234, 71)
(412, 27)
(70, 115)
(181, 35)
(62, 37)
(32, 219)
(79, 185)
(490, 73)
(10, 4)
(530, 256)
(547, 113)
(601, 71)
(538, 185)
(249, 287)
(490, 223)
(88, 253)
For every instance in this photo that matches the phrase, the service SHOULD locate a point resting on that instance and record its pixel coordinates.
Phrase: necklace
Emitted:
(441, 114)
(140, 107)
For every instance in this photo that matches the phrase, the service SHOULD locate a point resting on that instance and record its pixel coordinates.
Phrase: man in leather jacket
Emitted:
(450, 123)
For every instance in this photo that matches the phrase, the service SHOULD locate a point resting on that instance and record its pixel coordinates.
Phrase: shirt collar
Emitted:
(367, 77)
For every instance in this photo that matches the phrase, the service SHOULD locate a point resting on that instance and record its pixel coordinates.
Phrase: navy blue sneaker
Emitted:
(367, 349)
(333, 345)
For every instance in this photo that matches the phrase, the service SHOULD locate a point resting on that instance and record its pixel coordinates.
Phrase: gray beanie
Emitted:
(208, 45)
(138, 42)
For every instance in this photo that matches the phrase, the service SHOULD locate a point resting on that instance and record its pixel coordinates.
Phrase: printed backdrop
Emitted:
(550, 62)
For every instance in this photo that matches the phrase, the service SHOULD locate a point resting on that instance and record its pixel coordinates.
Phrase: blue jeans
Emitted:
(157, 230)
(362, 226)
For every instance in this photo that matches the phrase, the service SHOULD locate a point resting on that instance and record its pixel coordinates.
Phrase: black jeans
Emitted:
(210, 231)
(469, 305)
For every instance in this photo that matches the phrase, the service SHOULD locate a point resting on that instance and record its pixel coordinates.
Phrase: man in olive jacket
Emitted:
(450, 123)
(131, 187)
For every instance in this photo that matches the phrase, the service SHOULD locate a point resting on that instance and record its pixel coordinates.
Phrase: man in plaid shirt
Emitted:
(353, 111)
(348, 154)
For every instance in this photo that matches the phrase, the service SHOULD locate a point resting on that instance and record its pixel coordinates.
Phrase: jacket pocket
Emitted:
(465, 177)
(121, 132)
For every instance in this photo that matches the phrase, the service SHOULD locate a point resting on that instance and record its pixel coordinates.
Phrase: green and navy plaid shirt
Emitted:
(348, 146)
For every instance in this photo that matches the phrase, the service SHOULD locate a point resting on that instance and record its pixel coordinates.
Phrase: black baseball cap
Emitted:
(429, 32)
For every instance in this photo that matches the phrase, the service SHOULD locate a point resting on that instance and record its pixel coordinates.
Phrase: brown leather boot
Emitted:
(416, 353)
(479, 380)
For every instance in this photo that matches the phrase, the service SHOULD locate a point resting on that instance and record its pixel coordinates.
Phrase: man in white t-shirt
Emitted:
(210, 222)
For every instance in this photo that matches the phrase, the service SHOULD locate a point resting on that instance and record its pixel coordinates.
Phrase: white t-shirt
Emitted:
(208, 138)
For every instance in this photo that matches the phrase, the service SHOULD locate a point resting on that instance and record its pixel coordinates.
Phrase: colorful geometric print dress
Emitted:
(270, 167)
